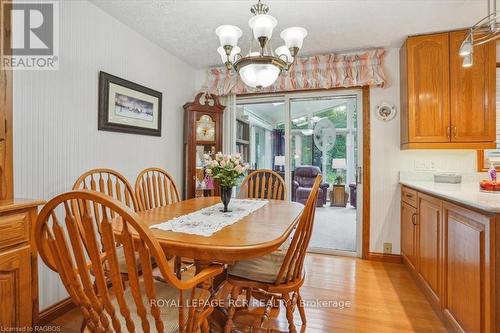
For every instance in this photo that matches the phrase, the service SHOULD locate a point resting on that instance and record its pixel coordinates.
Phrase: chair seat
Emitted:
(122, 263)
(167, 300)
(262, 269)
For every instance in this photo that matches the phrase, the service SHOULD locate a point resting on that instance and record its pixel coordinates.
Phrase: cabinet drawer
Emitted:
(409, 196)
(14, 229)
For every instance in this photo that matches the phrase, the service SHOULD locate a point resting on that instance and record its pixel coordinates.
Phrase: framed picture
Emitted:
(128, 107)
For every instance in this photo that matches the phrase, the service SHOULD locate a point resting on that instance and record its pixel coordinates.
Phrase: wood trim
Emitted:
(480, 153)
(7, 177)
(283, 92)
(448, 145)
(365, 240)
(385, 257)
(55, 311)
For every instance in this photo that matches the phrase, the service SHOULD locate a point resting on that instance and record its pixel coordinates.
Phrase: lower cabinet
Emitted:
(15, 288)
(451, 252)
(18, 266)
(469, 300)
(409, 234)
(429, 251)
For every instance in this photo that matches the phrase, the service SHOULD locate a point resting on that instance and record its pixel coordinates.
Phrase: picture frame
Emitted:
(128, 107)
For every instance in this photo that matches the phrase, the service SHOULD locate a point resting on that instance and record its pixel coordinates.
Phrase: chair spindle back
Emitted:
(81, 247)
(109, 182)
(293, 263)
(155, 187)
(263, 184)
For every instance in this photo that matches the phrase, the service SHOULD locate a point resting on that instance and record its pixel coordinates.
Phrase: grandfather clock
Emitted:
(202, 135)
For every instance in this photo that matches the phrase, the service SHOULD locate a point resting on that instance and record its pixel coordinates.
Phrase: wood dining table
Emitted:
(255, 235)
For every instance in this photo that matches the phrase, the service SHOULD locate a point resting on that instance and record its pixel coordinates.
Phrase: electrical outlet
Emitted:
(387, 247)
(419, 165)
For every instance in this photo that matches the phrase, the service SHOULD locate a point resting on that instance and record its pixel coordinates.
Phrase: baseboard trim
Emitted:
(385, 257)
(56, 310)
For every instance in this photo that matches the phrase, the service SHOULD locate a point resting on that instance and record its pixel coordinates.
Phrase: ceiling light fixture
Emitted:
(486, 30)
(261, 68)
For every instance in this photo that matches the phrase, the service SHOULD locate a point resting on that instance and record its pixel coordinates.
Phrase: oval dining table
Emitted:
(255, 235)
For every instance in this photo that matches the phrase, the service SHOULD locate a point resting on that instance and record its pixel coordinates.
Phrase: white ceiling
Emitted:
(186, 28)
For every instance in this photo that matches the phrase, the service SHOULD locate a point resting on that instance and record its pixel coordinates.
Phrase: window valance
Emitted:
(315, 72)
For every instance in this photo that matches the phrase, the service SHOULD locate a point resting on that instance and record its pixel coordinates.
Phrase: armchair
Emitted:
(303, 180)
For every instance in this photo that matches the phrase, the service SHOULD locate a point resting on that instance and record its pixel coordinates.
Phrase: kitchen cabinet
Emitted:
(426, 94)
(469, 268)
(429, 252)
(452, 255)
(472, 92)
(409, 234)
(444, 105)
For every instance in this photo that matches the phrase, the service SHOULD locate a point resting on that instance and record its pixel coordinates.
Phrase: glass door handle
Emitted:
(359, 175)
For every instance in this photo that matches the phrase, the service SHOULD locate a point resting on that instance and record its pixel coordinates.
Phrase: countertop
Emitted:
(14, 204)
(465, 193)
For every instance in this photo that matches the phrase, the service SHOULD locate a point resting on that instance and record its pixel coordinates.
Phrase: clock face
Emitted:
(205, 129)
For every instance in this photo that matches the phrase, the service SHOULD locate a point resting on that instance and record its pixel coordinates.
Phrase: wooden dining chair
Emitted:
(109, 182)
(263, 184)
(113, 184)
(107, 303)
(279, 275)
(155, 187)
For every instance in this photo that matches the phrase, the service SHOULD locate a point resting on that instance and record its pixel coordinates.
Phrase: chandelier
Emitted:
(486, 30)
(261, 66)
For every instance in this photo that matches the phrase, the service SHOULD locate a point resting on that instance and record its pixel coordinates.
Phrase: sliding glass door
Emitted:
(304, 135)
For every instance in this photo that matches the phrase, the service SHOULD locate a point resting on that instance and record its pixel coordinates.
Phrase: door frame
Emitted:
(363, 244)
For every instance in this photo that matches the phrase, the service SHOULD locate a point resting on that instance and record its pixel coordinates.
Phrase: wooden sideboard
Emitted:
(451, 251)
(18, 264)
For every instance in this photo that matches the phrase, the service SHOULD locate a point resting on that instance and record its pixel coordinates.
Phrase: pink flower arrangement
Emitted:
(225, 168)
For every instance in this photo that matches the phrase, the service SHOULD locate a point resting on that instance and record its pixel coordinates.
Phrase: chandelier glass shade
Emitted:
(484, 31)
(261, 66)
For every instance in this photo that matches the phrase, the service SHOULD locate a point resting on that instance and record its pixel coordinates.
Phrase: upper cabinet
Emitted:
(472, 92)
(444, 105)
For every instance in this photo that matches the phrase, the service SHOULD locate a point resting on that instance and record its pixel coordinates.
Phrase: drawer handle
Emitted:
(414, 218)
(408, 195)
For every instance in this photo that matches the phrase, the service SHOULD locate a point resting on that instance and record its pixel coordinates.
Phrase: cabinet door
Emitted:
(408, 233)
(429, 252)
(472, 92)
(467, 301)
(15, 288)
(428, 88)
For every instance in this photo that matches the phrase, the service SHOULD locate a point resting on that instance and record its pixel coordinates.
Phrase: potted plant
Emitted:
(339, 180)
(226, 169)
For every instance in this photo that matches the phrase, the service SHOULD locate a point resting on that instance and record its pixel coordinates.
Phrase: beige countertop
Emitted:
(465, 193)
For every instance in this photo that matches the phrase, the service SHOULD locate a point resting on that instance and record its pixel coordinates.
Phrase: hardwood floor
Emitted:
(383, 298)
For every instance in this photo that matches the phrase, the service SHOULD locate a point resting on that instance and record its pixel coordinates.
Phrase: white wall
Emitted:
(55, 112)
(387, 160)
(384, 158)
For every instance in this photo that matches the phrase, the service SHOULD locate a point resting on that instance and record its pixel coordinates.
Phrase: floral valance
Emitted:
(316, 72)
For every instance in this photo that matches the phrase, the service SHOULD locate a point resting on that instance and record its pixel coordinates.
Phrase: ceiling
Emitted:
(186, 28)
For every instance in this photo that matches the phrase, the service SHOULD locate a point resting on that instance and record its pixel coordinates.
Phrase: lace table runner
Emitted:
(209, 220)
